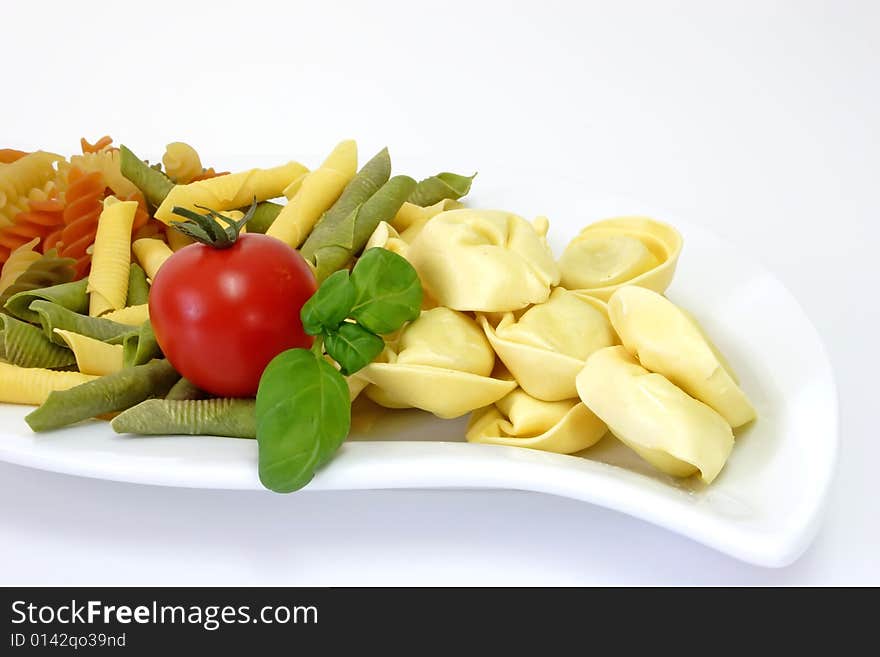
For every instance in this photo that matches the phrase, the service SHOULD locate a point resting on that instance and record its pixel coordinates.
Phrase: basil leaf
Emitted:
(330, 305)
(353, 347)
(389, 293)
(303, 416)
(442, 186)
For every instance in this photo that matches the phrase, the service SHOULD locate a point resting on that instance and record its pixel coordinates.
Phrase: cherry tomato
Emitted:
(220, 315)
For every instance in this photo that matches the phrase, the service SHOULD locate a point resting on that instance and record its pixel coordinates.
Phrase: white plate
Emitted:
(764, 507)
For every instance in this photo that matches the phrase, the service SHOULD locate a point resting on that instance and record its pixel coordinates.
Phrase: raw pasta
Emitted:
(92, 356)
(72, 296)
(18, 178)
(520, 420)
(230, 192)
(621, 251)
(484, 260)
(42, 220)
(547, 346)
(27, 346)
(663, 424)
(182, 162)
(44, 271)
(317, 192)
(130, 315)
(442, 363)
(151, 254)
(31, 385)
(108, 278)
(668, 341)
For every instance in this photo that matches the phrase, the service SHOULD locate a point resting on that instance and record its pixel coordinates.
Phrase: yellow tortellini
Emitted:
(668, 341)
(621, 251)
(440, 363)
(663, 424)
(547, 346)
(387, 237)
(484, 260)
(411, 218)
(520, 420)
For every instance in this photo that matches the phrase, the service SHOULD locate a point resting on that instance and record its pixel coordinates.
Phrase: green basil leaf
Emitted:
(330, 305)
(389, 292)
(442, 186)
(303, 416)
(353, 347)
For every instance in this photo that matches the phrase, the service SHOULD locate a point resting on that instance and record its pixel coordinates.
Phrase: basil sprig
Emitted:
(303, 409)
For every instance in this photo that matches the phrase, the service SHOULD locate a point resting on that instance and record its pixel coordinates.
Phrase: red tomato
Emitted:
(220, 315)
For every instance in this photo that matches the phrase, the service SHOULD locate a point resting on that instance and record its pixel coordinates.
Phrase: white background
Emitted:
(758, 119)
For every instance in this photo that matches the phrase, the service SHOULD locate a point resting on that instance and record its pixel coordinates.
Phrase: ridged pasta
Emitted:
(151, 254)
(31, 385)
(93, 356)
(108, 278)
(47, 270)
(17, 263)
(18, 178)
(26, 345)
(43, 219)
(130, 315)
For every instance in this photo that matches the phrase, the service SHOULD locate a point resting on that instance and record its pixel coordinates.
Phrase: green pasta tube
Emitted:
(53, 316)
(264, 215)
(138, 289)
(235, 418)
(27, 346)
(347, 236)
(108, 394)
(440, 187)
(330, 227)
(72, 296)
(154, 184)
(183, 390)
(48, 270)
(139, 347)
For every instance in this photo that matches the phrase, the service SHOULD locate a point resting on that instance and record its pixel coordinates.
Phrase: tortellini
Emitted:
(484, 260)
(547, 346)
(387, 237)
(520, 420)
(668, 341)
(621, 251)
(441, 363)
(663, 424)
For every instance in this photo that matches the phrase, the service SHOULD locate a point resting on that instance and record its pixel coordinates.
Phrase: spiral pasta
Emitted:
(9, 155)
(17, 179)
(101, 156)
(42, 219)
(85, 193)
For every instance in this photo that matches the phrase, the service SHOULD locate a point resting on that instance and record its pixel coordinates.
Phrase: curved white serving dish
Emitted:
(764, 507)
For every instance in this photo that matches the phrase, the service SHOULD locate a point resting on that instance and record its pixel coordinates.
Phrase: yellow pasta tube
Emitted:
(130, 315)
(151, 254)
(93, 356)
(317, 192)
(32, 385)
(108, 277)
(234, 190)
(18, 262)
